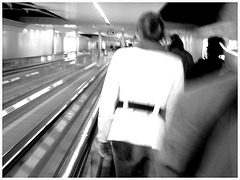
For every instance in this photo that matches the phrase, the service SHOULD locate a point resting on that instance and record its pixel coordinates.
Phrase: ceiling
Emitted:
(122, 15)
(84, 15)
(199, 13)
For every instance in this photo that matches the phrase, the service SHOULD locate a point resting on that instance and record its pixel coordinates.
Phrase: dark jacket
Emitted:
(204, 67)
(187, 60)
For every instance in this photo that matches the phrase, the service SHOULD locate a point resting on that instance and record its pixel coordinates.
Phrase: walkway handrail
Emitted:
(11, 157)
(78, 157)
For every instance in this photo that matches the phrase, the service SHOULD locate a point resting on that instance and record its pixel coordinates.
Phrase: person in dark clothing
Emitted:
(213, 62)
(177, 48)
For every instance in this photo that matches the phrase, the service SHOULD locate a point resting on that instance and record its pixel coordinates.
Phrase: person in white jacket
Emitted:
(141, 81)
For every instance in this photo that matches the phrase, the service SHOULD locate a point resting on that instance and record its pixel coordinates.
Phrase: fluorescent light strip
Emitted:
(101, 12)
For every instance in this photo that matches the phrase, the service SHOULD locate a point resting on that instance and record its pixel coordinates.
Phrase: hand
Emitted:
(105, 150)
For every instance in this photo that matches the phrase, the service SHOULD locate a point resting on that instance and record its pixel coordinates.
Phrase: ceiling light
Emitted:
(119, 35)
(70, 25)
(101, 12)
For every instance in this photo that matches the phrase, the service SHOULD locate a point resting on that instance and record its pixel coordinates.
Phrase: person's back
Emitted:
(187, 61)
(139, 72)
(132, 97)
(213, 62)
(139, 69)
(176, 47)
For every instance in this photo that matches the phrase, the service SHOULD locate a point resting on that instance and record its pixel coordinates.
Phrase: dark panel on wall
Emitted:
(199, 14)
(90, 35)
(15, 11)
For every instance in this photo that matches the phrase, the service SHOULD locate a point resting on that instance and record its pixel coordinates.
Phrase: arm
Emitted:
(107, 102)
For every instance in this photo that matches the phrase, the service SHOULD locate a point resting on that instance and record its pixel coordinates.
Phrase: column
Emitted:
(122, 39)
(77, 42)
(99, 46)
(53, 41)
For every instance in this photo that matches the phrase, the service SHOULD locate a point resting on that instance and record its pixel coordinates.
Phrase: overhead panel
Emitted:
(199, 13)
(24, 11)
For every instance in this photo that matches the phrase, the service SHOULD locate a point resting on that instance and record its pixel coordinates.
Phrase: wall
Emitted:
(58, 43)
(83, 44)
(21, 40)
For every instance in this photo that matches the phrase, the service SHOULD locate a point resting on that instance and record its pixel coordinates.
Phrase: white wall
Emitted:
(25, 41)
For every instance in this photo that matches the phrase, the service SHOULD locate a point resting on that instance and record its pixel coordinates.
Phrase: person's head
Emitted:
(150, 26)
(214, 49)
(174, 36)
(176, 42)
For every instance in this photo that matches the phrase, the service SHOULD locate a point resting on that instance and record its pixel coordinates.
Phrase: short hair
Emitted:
(151, 26)
(214, 47)
(174, 36)
(176, 42)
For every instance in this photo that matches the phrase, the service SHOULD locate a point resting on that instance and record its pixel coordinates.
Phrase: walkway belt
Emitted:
(141, 106)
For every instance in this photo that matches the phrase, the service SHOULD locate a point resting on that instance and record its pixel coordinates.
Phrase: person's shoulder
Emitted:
(173, 56)
(173, 60)
(125, 50)
(201, 60)
(188, 53)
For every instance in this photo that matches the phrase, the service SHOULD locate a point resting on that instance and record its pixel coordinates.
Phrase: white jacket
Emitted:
(142, 76)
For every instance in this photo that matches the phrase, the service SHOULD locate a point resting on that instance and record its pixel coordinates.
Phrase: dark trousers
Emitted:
(133, 160)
